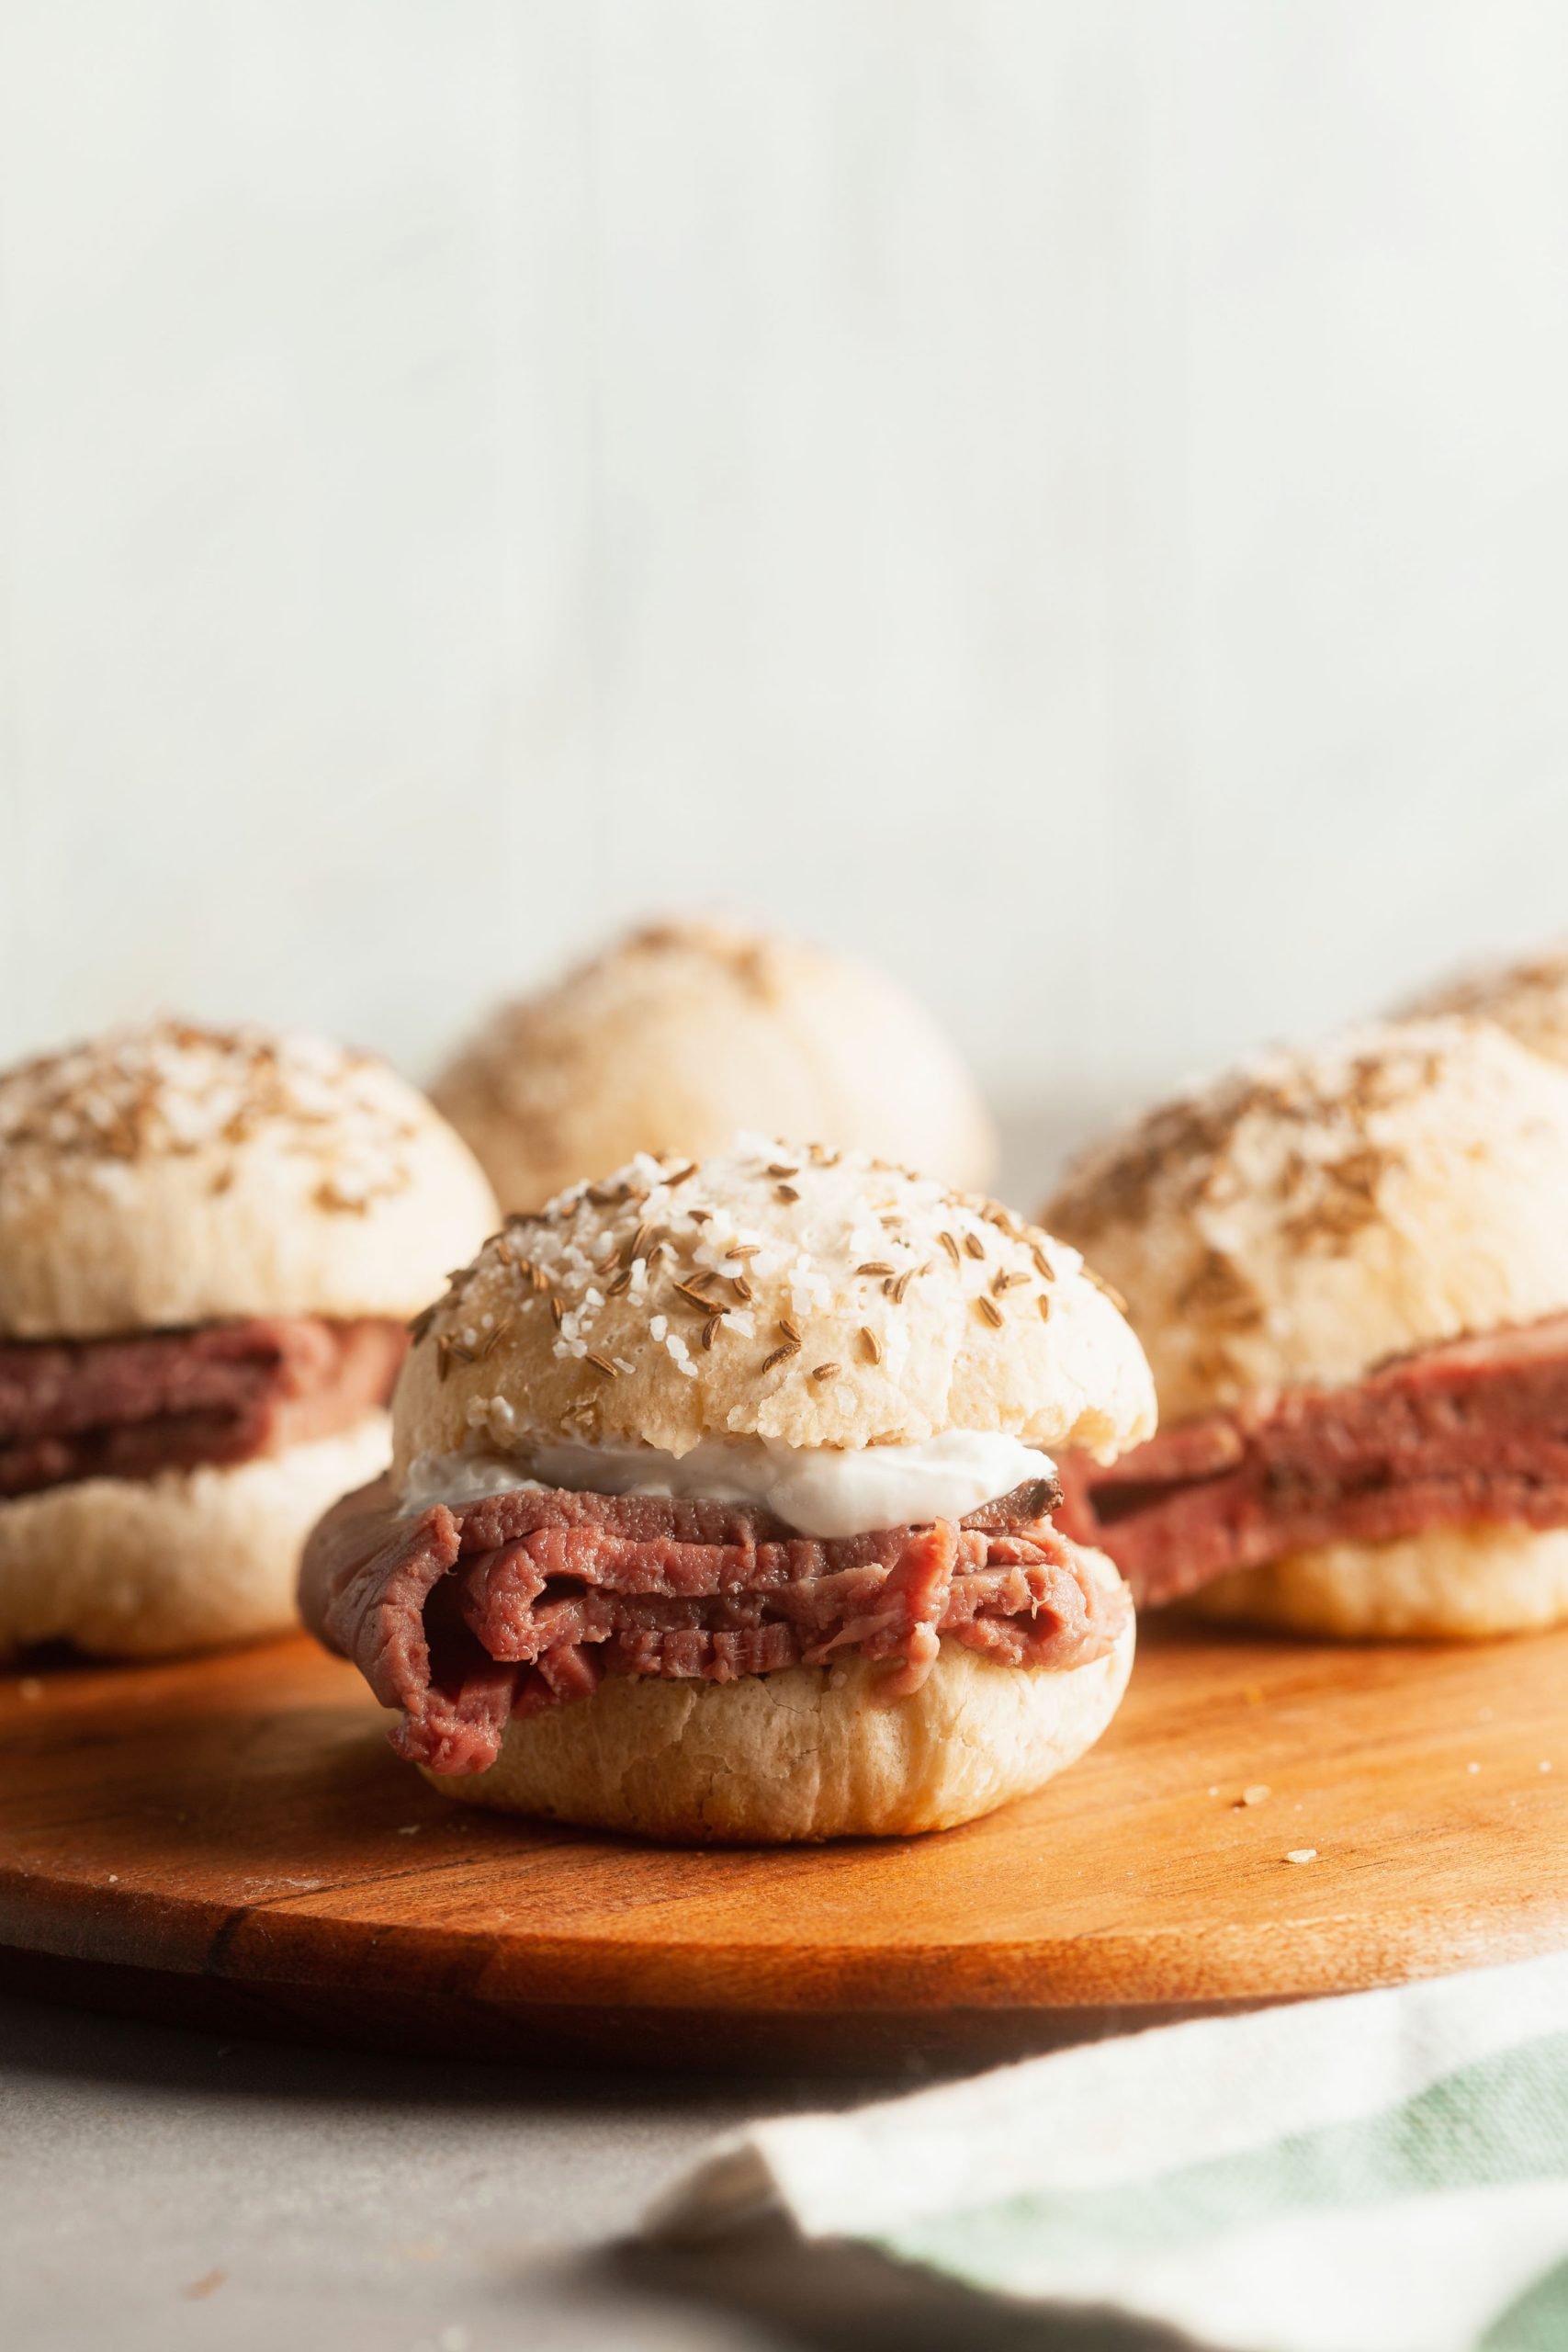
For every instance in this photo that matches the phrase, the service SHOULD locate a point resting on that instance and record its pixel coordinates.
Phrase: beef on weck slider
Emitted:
(720, 1507)
(210, 1244)
(1349, 1269)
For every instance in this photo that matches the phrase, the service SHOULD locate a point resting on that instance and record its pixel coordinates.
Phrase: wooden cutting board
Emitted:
(230, 1842)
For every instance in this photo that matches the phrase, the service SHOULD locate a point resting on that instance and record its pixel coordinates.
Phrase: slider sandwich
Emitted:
(1349, 1268)
(721, 1509)
(210, 1243)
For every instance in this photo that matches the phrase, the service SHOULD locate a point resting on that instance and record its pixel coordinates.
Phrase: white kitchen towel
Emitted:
(1386, 2172)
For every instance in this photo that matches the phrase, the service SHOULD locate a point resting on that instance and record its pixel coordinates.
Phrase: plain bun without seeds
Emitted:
(1465, 1583)
(672, 1039)
(190, 1560)
(804, 1302)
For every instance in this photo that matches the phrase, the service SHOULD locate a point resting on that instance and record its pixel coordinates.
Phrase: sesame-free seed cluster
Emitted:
(1303, 1132)
(171, 1090)
(694, 1249)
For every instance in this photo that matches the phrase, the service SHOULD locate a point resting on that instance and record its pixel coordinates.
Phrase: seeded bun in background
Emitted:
(173, 1175)
(820, 1298)
(815, 1296)
(674, 1038)
(1530, 999)
(1314, 1213)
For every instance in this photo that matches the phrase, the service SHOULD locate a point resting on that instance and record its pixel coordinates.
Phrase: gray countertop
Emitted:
(165, 2190)
(169, 2192)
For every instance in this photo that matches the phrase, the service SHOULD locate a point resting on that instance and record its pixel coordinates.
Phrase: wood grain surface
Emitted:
(230, 1842)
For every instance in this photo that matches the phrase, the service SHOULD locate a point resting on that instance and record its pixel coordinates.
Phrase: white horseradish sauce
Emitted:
(826, 1491)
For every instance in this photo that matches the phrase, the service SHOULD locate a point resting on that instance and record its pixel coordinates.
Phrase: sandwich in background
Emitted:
(210, 1244)
(1349, 1270)
(676, 1038)
(721, 1509)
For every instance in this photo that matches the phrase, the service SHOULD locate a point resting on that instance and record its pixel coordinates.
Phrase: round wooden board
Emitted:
(228, 1842)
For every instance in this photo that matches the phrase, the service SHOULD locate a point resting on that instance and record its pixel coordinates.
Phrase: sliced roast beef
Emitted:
(169, 1400)
(1476, 1429)
(463, 1617)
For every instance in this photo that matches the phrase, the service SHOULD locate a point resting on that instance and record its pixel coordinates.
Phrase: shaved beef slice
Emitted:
(1473, 1430)
(463, 1617)
(169, 1400)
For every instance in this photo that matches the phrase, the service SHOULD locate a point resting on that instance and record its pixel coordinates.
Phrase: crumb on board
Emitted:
(1302, 1854)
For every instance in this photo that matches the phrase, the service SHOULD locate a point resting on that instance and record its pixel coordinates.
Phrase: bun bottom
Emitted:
(805, 1754)
(146, 1567)
(1452, 1584)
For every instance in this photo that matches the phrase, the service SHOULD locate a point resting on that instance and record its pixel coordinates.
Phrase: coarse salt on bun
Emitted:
(1312, 1214)
(172, 1175)
(674, 1038)
(815, 1296)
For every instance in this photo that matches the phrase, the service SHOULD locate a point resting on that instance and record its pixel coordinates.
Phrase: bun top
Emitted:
(1528, 1000)
(1312, 1214)
(171, 1175)
(816, 1297)
(677, 1037)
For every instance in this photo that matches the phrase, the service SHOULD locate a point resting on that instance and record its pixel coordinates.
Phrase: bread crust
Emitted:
(173, 1175)
(1452, 1584)
(807, 1754)
(1312, 1214)
(861, 1304)
(1530, 999)
(189, 1560)
(676, 1036)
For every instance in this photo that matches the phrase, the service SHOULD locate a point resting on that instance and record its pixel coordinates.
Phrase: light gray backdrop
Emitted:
(1067, 495)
